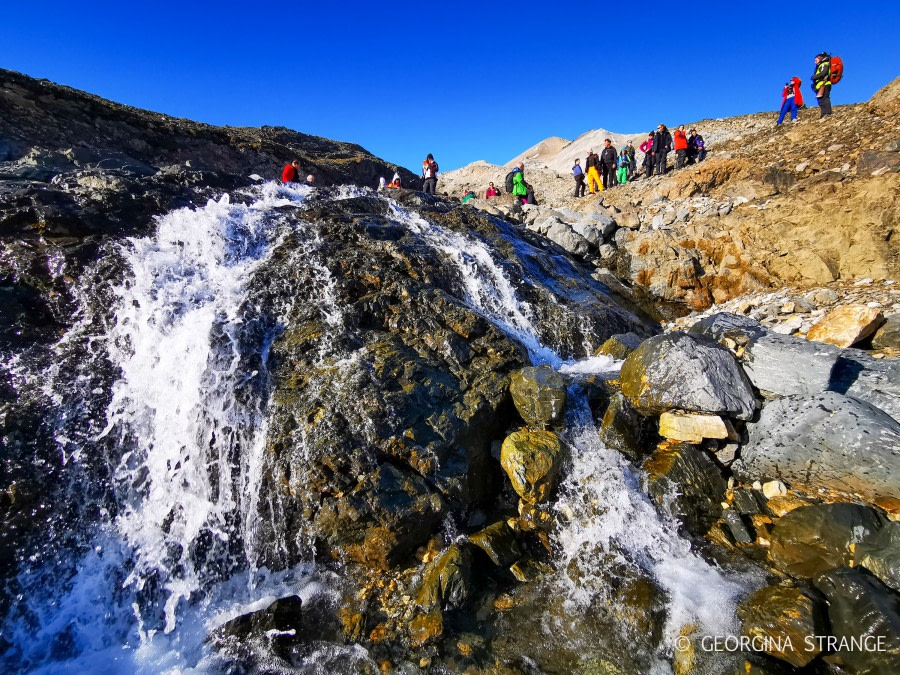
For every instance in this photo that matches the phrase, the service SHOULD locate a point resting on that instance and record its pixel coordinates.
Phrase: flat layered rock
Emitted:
(691, 428)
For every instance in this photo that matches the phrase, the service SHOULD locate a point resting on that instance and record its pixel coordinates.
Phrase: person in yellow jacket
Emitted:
(592, 164)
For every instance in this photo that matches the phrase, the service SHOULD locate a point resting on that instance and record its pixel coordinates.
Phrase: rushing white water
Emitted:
(188, 418)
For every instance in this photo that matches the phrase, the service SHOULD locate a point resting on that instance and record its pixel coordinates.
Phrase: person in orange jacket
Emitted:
(791, 100)
(291, 173)
(681, 147)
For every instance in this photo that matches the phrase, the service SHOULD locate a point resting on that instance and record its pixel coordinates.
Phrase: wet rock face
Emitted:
(880, 554)
(782, 618)
(826, 441)
(685, 372)
(814, 539)
(863, 609)
(384, 370)
(688, 479)
(539, 394)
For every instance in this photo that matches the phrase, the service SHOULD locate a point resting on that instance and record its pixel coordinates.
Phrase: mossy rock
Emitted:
(446, 580)
(539, 394)
(782, 618)
(532, 459)
(498, 542)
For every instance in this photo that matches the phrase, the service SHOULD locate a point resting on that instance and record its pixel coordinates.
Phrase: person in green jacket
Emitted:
(520, 187)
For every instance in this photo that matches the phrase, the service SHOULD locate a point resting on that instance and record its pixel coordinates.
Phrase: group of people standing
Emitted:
(611, 168)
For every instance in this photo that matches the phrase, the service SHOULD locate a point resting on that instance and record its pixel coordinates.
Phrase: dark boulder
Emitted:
(781, 618)
(813, 539)
(686, 372)
(686, 478)
(624, 429)
(826, 440)
(880, 554)
(888, 336)
(865, 621)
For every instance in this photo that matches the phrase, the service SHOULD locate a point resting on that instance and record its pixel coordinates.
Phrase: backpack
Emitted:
(837, 69)
(509, 182)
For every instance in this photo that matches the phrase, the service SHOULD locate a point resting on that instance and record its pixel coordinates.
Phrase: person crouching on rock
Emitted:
(520, 187)
(647, 148)
(291, 173)
(429, 175)
(696, 147)
(310, 180)
(491, 191)
(791, 100)
(578, 174)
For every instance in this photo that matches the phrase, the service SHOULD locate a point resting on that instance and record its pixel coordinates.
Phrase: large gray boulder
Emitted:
(786, 365)
(825, 440)
(686, 372)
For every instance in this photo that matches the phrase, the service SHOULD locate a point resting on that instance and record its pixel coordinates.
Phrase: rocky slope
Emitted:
(798, 206)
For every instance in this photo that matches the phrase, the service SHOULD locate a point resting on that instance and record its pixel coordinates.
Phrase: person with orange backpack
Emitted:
(829, 71)
(791, 100)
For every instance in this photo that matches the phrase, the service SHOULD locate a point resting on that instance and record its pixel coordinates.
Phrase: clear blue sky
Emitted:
(464, 81)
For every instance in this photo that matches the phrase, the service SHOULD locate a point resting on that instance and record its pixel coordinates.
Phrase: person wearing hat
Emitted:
(578, 175)
(822, 83)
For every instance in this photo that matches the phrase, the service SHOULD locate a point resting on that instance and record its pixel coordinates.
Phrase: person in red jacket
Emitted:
(491, 191)
(791, 100)
(681, 147)
(291, 173)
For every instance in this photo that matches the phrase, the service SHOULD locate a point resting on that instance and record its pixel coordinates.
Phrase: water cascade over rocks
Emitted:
(289, 393)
